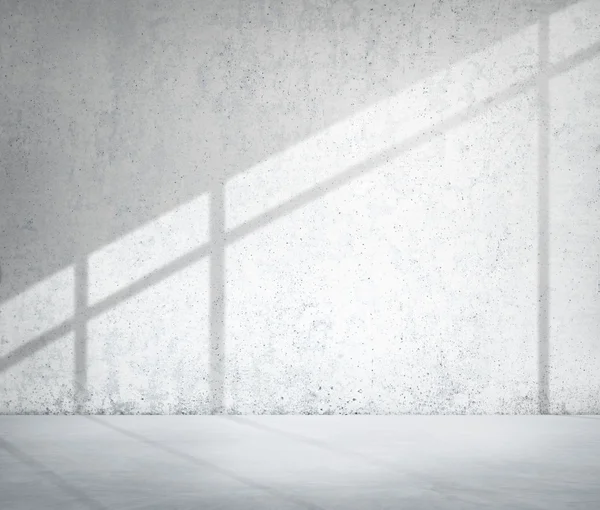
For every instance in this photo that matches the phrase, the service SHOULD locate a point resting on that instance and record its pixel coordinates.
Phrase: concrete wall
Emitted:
(299, 207)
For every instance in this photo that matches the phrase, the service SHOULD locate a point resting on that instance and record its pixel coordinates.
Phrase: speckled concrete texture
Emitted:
(299, 207)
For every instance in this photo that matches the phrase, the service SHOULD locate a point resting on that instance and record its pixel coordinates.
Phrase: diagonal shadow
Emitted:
(304, 198)
(208, 465)
(51, 476)
(53, 334)
(409, 143)
(240, 420)
(429, 481)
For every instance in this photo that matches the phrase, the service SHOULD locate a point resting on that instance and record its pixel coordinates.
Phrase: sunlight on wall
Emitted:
(148, 248)
(398, 290)
(41, 382)
(388, 122)
(413, 286)
(151, 352)
(575, 238)
(41, 307)
(574, 29)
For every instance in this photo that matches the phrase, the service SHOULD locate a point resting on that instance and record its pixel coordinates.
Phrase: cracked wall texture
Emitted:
(299, 206)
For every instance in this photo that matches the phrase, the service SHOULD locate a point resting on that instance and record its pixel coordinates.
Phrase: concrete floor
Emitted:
(291, 462)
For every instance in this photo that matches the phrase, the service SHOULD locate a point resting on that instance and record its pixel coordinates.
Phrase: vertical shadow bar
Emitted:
(217, 294)
(543, 218)
(81, 292)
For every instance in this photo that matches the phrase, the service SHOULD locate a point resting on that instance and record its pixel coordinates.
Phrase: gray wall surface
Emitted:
(299, 206)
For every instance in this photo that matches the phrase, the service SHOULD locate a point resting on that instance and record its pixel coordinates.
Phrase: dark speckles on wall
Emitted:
(403, 281)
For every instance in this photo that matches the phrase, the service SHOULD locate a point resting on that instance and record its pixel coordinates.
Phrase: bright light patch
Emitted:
(33, 312)
(149, 248)
(381, 126)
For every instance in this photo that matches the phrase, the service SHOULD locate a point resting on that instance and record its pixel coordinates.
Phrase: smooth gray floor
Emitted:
(291, 462)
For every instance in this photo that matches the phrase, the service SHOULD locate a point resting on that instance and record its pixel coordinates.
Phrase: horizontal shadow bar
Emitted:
(299, 201)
